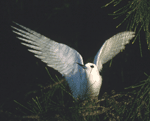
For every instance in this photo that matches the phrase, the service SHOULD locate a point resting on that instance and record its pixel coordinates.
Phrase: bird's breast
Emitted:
(94, 82)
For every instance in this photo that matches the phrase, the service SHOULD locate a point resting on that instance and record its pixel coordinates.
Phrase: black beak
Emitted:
(81, 65)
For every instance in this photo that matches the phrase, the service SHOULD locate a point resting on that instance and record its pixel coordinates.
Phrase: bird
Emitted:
(83, 80)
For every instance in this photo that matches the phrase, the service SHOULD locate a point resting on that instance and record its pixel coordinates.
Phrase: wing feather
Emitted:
(112, 47)
(56, 55)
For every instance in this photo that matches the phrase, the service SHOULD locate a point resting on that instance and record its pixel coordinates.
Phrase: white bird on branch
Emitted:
(84, 80)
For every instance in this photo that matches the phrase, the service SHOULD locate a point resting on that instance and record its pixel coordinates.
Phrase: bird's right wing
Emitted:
(112, 47)
(56, 55)
(59, 56)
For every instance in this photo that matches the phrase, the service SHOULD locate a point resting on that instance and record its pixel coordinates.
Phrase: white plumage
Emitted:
(82, 80)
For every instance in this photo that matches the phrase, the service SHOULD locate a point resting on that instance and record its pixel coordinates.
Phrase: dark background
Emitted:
(81, 24)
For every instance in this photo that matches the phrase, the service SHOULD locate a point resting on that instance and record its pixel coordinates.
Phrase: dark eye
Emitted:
(92, 66)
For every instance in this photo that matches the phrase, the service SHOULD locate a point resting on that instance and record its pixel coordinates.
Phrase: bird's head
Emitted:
(90, 68)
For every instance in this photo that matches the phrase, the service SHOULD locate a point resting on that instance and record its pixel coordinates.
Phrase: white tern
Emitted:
(82, 79)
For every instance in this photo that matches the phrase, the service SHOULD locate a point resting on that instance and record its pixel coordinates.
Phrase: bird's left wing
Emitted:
(112, 47)
(59, 56)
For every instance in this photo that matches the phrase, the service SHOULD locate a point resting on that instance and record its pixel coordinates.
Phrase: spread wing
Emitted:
(112, 47)
(59, 56)
(56, 55)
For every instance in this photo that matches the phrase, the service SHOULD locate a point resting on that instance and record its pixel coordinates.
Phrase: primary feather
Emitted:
(112, 47)
(58, 56)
